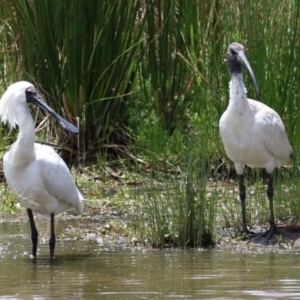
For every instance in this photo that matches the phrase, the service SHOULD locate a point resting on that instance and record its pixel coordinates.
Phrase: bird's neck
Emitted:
(25, 142)
(26, 134)
(237, 92)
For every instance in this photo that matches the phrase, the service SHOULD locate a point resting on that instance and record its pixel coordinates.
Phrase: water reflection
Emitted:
(83, 270)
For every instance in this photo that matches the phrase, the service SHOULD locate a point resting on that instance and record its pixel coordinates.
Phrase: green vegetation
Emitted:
(146, 82)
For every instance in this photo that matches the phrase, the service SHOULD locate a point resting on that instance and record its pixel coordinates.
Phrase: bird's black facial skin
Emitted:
(236, 58)
(233, 52)
(30, 94)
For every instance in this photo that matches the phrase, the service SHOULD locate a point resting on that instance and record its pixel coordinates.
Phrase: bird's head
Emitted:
(236, 58)
(13, 96)
(21, 93)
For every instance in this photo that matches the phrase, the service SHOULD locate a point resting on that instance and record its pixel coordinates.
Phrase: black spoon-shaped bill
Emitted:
(33, 96)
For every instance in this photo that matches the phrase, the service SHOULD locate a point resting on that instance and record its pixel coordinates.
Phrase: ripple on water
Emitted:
(84, 269)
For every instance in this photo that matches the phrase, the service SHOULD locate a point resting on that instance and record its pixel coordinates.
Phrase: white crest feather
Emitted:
(7, 103)
(6, 108)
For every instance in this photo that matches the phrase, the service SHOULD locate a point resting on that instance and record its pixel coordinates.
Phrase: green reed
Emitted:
(82, 54)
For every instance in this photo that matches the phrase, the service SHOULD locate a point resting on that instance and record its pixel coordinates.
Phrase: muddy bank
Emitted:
(287, 238)
(110, 227)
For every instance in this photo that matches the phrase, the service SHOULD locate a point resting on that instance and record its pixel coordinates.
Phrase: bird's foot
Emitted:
(246, 231)
(269, 234)
(245, 234)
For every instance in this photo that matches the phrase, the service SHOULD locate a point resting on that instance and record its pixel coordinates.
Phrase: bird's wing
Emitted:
(270, 128)
(57, 178)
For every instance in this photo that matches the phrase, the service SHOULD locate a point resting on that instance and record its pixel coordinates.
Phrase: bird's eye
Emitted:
(233, 52)
(28, 91)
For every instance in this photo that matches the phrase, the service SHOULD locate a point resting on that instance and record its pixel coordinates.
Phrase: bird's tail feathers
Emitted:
(290, 161)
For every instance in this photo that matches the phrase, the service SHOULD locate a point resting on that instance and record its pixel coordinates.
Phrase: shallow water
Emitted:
(85, 270)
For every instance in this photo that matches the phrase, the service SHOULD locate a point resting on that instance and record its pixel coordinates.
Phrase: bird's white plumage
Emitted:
(36, 174)
(253, 134)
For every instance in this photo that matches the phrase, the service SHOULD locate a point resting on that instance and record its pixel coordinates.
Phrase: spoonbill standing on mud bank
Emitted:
(36, 174)
(252, 133)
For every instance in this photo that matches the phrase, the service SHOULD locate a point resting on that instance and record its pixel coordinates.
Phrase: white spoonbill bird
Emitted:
(35, 173)
(252, 133)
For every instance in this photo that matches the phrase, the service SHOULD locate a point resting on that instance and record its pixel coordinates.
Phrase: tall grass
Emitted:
(175, 208)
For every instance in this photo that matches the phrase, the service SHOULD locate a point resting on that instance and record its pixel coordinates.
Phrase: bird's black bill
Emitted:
(33, 96)
(243, 59)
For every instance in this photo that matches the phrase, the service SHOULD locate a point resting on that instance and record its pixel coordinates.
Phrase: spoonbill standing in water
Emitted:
(35, 173)
(252, 133)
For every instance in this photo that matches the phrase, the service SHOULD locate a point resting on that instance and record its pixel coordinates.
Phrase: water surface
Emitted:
(86, 270)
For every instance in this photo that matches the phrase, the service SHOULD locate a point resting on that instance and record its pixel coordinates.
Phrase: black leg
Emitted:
(243, 203)
(273, 228)
(34, 233)
(52, 238)
(243, 199)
